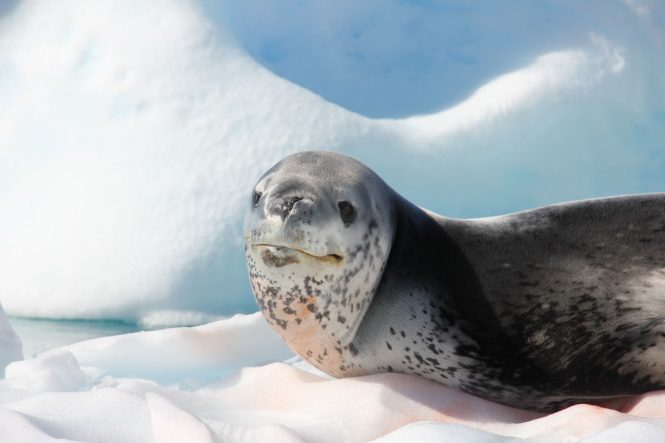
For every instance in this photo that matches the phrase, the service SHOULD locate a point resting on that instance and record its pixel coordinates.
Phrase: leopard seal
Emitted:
(538, 309)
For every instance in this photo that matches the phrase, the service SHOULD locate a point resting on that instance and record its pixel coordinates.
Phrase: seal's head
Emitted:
(317, 234)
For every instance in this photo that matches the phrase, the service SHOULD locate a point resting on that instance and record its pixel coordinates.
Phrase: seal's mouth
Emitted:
(278, 255)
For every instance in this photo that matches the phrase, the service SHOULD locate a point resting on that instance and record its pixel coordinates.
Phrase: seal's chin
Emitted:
(278, 256)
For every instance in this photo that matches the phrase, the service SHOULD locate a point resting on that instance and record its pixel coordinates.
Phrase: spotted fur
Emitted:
(539, 309)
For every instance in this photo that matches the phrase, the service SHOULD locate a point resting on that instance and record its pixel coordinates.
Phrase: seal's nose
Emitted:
(283, 206)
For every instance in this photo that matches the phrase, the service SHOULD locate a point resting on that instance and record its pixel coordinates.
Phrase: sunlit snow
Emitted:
(174, 385)
(132, 132)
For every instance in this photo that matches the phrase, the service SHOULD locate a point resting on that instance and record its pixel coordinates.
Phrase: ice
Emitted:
(172, 424)
(101, 390)
(392, 58)
(151, 131)
(428, 431)
(625, 431)
(15, 424)
(56, 372)
(201, 352)
(129, 141)
(11, 348)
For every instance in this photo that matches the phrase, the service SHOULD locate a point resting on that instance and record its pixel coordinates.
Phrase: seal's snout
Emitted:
(288, 208)
(284, 206)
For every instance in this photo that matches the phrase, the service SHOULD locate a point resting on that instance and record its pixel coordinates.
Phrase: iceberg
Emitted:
(129, 141)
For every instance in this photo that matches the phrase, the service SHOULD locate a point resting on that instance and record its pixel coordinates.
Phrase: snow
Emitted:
(129, 140)
(149, 140)
(131, 134)
(181, 385)
(11, 348)
(202, 352)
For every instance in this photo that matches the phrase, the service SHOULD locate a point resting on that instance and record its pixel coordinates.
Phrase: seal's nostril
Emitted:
(292, 201)
(287, 206)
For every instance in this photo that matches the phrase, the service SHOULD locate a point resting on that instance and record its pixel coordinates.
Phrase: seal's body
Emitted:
(538, 309)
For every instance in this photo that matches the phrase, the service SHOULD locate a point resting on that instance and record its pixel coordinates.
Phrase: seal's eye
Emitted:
(347, 212)
(256, 197)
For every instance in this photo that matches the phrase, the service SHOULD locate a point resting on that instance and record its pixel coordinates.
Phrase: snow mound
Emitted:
(201, 352)
(56, 372)
(82, 393)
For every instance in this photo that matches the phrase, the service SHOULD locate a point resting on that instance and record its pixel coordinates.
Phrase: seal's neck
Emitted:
(425, 314)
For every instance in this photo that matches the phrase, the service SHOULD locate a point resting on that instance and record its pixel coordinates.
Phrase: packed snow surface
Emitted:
(182, 385)
(131, 133)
